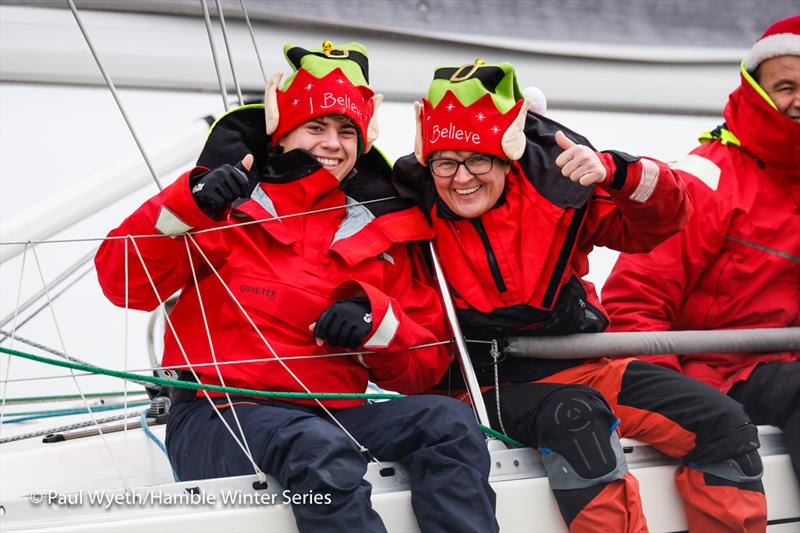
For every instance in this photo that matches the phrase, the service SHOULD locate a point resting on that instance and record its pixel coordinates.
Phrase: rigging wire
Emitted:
(221, 82)
(253, 38)
(7, 334)
(58, 280)
(228, 50)
(113, 90)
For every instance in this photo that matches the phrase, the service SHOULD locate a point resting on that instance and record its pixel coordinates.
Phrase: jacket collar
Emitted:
(762, 130)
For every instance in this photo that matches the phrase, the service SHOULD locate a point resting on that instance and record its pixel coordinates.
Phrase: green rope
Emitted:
(503, 438)
(233, 390)
(199, 386)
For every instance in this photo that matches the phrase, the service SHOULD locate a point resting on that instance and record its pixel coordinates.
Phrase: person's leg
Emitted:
(720, 482)
(302, 450)
(771, 395)
(574, 430)
(440, 443)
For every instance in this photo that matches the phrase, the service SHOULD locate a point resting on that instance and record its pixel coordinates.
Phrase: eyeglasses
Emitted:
(475, 165)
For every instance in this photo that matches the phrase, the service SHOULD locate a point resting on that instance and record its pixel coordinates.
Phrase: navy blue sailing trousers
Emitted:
(434, 437)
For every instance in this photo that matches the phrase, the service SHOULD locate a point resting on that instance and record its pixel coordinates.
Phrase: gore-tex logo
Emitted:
(258, 291)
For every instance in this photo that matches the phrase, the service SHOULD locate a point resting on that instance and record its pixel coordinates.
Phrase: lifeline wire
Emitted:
(208, 230)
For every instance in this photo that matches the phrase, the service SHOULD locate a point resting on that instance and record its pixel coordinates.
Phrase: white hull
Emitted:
(68, 474)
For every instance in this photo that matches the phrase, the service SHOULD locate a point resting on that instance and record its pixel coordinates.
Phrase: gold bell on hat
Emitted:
(330, 51)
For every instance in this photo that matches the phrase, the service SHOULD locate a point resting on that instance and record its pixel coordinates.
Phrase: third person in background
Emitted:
(737, 264)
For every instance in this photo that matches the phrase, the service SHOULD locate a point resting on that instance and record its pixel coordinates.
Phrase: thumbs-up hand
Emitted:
(216, 189)
(578, 162)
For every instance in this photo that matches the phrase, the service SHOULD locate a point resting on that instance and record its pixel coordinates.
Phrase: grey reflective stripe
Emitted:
(360, 358)
(168, 223)
(763, 248)
(264, 201)
(385, 332)
(355, 219)
(562, 476)
(647, 181)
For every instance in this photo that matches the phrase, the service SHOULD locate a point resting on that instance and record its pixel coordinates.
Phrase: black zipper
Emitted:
(493, 266)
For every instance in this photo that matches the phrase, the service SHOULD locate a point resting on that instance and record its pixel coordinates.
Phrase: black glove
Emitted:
(217, 188)
(345, 324)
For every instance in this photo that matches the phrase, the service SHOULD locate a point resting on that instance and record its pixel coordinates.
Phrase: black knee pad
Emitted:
(745, 468)
(577, 438)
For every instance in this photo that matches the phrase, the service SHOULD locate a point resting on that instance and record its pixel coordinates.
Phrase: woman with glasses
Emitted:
(517, 202)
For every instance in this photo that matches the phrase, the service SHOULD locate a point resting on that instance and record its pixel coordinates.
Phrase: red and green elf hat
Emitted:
(477, 107)
(331, 80)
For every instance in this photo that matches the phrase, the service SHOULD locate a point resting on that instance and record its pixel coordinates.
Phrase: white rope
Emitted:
(13, 330)
(253, 38)
(228, 50)
(125, 340)
(223, 92)
(257, 470)
(361, 447)
(208, 230)
(113, 90)
(77, 386)
(211, 346)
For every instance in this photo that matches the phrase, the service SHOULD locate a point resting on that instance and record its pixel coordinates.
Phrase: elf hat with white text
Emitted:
(474, 107)
(331, 80)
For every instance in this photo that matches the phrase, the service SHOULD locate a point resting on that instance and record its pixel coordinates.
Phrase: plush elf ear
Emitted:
(513, 141)
(271, 111)
(418, 140)
(372, 129)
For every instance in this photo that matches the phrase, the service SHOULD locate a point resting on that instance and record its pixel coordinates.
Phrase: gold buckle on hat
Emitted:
(336, 53)
(457, 74)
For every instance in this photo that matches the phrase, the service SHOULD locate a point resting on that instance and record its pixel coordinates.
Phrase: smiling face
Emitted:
(332, 139)
(780, 78)
(466, 194)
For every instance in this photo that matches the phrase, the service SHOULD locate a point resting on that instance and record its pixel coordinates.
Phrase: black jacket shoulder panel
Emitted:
(239, 132)
(372, 181)
(412, 181)
(538, 162)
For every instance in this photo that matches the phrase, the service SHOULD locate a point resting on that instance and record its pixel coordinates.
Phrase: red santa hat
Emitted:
(781, 39)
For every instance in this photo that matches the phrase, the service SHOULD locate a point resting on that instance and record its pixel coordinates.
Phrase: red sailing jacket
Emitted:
(519, 266)
(284, 273)
(737, 264)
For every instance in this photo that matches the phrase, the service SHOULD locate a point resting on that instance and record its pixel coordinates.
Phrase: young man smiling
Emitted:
(517, 208)
(312, 271)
